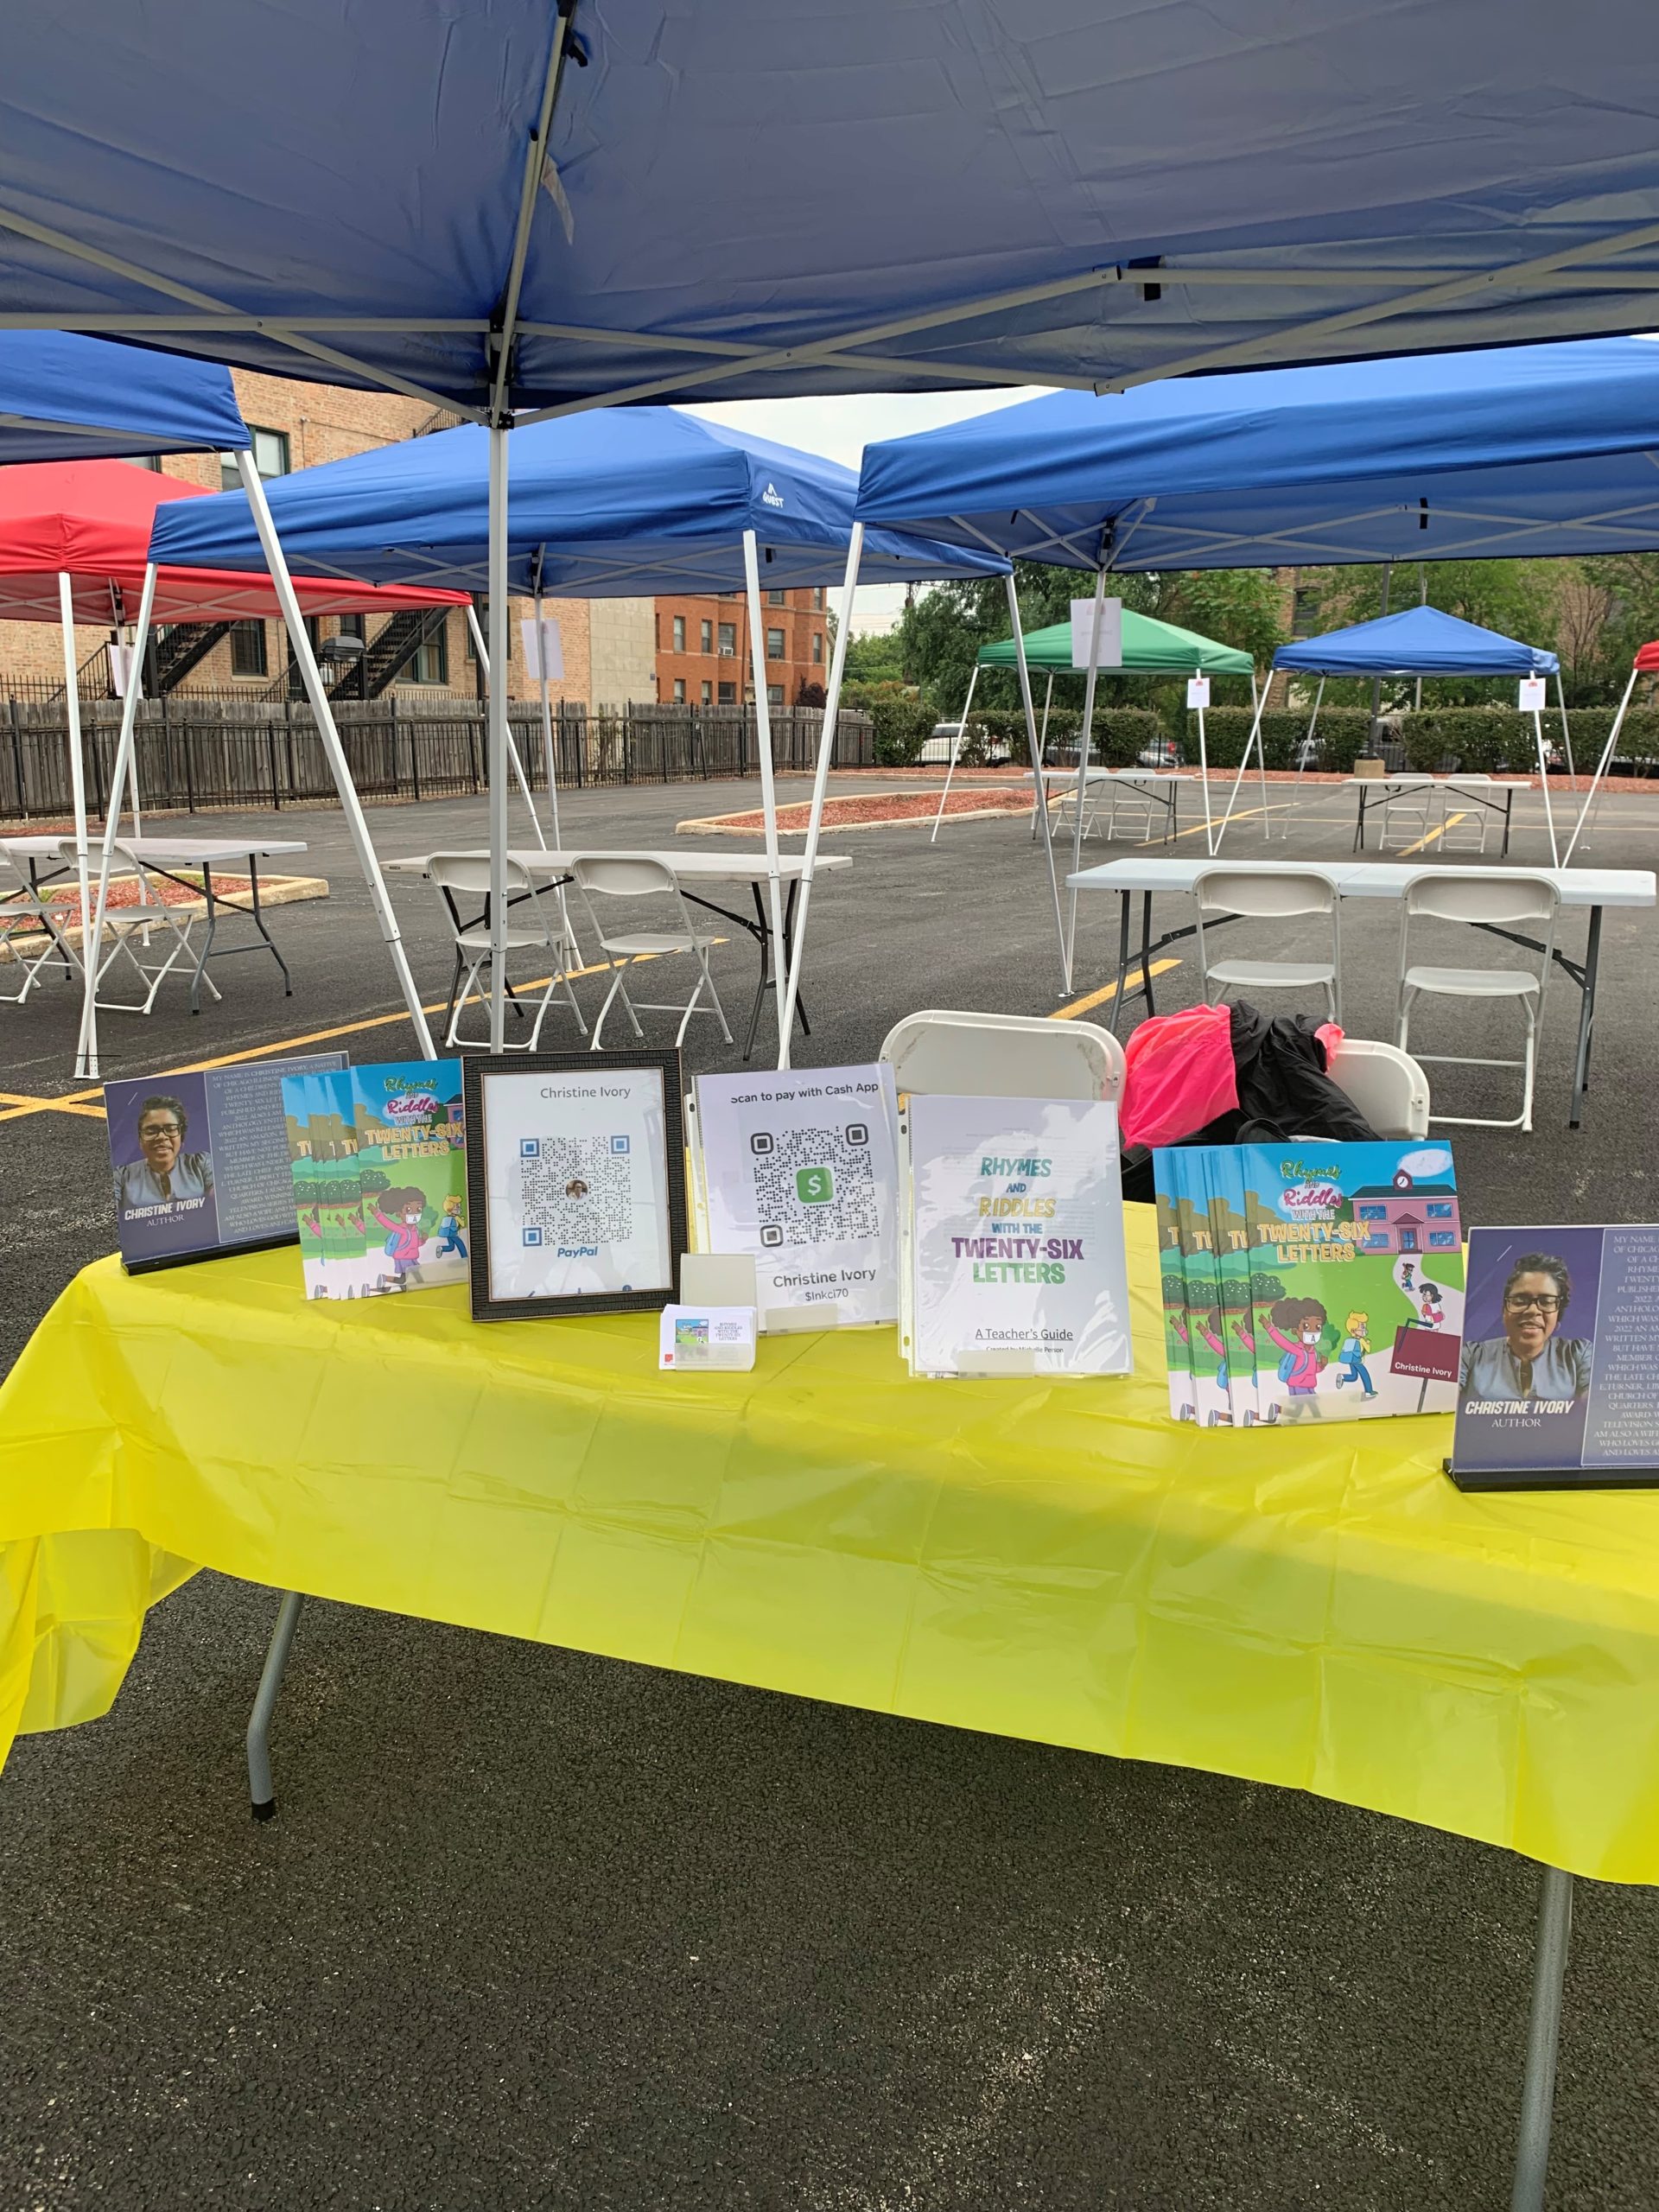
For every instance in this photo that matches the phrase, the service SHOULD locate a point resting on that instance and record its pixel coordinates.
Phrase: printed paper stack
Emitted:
(379, 1162)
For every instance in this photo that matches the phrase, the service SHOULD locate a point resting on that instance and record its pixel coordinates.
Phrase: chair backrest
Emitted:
(1004, 1055)
(1482, 897)
(470, 872)
(1388, 1087)
(1264, 892)
(623, 875)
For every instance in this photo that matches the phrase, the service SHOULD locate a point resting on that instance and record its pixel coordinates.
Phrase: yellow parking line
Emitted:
(1107, 991)
(1439, 830)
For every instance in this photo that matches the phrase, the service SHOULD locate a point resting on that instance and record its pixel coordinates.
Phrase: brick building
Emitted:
(702, 648)
(607, 644)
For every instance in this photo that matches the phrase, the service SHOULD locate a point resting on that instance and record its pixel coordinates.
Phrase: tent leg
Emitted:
(955, 747)
(77, 766)
(768, 785)
(1085, 737)
(1602, 767)
(1038, 779)
(261, 1795)
(514, 758)
(86, 1069)
(1209, 838)
(1543, 774)
(1254, 738)
(496, 750)
(1566, 734)
(311, 675)
(1042, 740)
(1258, 701)
(820, 785)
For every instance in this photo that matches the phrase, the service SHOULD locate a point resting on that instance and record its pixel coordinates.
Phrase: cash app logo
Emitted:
(814, 1186)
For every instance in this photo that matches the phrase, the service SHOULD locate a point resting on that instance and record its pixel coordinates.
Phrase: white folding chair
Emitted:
(33, 934)
(530, 928)
(1388, 1087)
(1466, 815)
(1409, 813)
(1479, 901)
(1134, 801)
(1269, 894)
(122, 925)
(1002, 1055)
(623, 877)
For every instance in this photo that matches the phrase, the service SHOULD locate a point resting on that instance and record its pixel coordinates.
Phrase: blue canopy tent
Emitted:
(66, 398)
(632, 501)
(558, 204)
(1418, 641)
(1539, 449)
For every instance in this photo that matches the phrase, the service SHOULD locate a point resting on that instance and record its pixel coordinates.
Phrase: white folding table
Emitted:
(1474, 790)
(1593, 889)
(690, 870)
(1160, 785)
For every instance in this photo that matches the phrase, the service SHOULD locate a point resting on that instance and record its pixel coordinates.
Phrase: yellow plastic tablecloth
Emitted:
(1055, 1561)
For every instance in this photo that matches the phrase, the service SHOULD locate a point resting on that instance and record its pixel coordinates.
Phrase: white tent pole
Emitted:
(1209, 838)
(77, 766)
(547, 730)
(1084, 736)
(820, 785)
(956, 744)
(1258, 705)
(496, 749)
(1602, 766)
(1244, 762)
(1039, 777)
(483, 652)
(1042, 744)
(768, 787)
(1313, 724)
(1543, 772)
(1566, 730)
(91, 944)
(311, 676)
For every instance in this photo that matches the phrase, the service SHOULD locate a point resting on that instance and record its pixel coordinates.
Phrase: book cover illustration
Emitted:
(1204, 1268)
(378, 1165)
(1167, 1192)
(1357, 1279)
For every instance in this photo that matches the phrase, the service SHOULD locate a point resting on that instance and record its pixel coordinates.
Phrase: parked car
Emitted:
(1162, 753)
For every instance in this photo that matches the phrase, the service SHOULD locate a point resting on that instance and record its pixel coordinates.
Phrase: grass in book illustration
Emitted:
(1172, 1279)
(1355, 1279)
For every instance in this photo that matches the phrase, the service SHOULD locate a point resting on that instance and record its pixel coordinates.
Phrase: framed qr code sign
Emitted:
(575, 1181)
(800, 1168)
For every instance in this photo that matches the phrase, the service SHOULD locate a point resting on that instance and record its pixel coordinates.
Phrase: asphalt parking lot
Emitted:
(536, 1930)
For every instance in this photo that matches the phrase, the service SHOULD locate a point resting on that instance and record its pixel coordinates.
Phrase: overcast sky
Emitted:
(840, 428)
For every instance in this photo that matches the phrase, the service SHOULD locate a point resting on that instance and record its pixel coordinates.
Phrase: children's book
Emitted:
(1357, 1279)
(1171, 1272)
(379, 1162)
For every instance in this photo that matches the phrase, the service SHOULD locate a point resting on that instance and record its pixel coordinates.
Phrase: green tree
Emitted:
(877, 658)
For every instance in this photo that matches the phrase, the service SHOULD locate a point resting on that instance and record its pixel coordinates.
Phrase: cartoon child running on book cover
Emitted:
(1296, 1325)
(400, 1213)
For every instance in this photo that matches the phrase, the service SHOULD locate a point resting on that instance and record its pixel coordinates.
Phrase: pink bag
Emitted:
(1179, 1075)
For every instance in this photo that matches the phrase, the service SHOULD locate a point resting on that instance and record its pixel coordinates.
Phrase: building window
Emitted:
(777, 599)
(152, 461)
(729, 694)
(775, 644)
(1304, 611)
(248, 649)
(707, 694)
(1436, 1236)
(269, 458)
(705, 637)
(817, 647)
(431, 664)
(679, 633)
(817, 599)
(679, 687)
(1437, 1208)
(727, 641)
(353, 626)
(774, 694)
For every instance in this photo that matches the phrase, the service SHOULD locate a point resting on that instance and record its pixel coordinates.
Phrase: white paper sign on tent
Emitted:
(543, 648)
(1110, 642)
(1198, 691)
(1531, 700)
(120, 664)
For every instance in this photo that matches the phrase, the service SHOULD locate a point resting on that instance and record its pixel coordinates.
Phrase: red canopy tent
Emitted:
(91, 521)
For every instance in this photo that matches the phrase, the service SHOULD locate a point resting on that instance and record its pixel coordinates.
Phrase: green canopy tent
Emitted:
(1150, 648)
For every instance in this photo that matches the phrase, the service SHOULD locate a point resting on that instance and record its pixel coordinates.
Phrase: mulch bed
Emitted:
(876, 810)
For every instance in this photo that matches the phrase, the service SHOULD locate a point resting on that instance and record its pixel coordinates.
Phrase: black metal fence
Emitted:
(199, 754)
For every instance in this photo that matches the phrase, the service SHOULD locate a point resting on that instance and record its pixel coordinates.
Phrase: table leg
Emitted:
(261, 1795)
(764, 933)
(259, 923)
(1123, 956)
(1359, 826)
(1586, 1015)
(1543, 2032)
(207, 943)
(1146, 950)
(1508, 808)
(789, 956)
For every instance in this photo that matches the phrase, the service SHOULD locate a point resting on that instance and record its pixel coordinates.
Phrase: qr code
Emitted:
(814, 1186)
(574, 1190)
